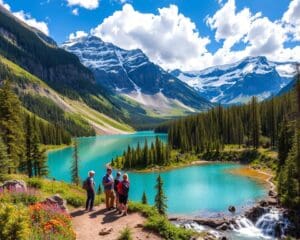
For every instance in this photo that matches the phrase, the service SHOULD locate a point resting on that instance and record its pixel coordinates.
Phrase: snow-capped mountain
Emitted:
(238, 82)
(132, 75)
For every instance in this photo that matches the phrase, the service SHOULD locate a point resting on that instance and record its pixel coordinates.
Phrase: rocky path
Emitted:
(108, 225)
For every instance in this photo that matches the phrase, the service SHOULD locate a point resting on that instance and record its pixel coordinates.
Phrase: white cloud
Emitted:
(292, 19)
(88, 4)
(40, 25)
(260, 35)
(77, 34)
(25, 17)
(168, 38)
(5, 5)
(75, 11)
(231, 26)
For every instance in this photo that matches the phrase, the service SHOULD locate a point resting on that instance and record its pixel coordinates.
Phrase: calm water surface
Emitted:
(191, 190)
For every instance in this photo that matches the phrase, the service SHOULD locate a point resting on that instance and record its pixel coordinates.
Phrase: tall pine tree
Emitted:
(75, 164)
(160, 197)
(3, 158)
(11, 126)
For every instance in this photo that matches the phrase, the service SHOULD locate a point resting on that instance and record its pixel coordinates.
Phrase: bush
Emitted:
(50, 222)
(34, 183)
(126, 234)
(19, 196)
(14, 222)
(75, 201)
(159, 223)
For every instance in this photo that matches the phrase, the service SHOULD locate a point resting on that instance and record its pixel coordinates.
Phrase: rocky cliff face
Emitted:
(236, 83)
(131, 73)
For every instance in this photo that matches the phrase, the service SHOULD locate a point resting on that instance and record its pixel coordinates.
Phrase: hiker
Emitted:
(123, 189)
(89, 186)
(108, 184)
(117, 181)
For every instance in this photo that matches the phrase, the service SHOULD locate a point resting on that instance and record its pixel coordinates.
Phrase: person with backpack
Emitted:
(108, 184)
(123, 190)
(117, 181)
(89, 186)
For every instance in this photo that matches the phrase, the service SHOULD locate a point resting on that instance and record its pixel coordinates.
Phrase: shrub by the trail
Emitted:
(22, 196)
(159, 223)
(50, 222)
(14, 222)
(126, 234)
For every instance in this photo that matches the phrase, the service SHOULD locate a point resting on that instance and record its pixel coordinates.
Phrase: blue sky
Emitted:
(187, 34)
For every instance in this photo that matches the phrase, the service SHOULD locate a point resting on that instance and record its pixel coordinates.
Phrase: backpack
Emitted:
(85, 184)
(125, 188)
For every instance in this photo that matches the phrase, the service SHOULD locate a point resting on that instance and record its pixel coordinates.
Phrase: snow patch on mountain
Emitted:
(238, 82)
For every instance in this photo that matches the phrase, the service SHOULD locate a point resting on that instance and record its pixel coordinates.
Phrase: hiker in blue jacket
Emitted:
(89, 186)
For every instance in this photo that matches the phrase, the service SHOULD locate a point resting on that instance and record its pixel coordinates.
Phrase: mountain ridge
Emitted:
(131, 74)
(236, 83)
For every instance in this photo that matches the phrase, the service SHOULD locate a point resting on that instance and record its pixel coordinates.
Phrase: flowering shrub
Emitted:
(50, 222)
(18, 195)
(14, 222)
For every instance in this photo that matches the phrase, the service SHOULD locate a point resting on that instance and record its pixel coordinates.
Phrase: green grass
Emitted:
(126, 234)
(159, 223)
(74, 195)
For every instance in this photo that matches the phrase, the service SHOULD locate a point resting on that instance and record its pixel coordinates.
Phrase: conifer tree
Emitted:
(254, 123)
(160, 197)
(144, 198)
(11, 126)
(3, 158)
(75, 164)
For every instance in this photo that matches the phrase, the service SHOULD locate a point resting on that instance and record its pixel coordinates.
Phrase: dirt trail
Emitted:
(88, 225)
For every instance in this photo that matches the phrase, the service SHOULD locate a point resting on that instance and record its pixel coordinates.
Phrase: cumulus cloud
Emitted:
(25, 17)
(88, 4)
(292, 19)
(236, 25)
(5, 5)
(168, 38)
(77, 35)
(75, 11)
(260, 35)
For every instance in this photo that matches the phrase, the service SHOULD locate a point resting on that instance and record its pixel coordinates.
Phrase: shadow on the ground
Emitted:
(77, 213)
(109, 216)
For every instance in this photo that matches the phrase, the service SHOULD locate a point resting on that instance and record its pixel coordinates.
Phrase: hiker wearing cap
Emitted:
(123, 190)
(117, 180)
(89, 186)
(108, 184)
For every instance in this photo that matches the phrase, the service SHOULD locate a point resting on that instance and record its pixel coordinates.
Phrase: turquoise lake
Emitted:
(200, 189)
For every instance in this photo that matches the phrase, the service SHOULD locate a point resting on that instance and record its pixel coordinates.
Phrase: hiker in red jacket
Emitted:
(123, 189)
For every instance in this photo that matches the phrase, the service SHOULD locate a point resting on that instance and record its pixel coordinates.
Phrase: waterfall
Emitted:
(269, 226)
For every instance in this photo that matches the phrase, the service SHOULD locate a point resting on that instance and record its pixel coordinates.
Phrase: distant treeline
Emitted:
(272, 123)
(156, 153)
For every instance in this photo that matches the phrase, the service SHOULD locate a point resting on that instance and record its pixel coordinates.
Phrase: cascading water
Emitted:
(269, 226)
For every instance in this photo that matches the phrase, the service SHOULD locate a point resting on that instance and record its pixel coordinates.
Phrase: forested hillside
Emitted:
(273, 124)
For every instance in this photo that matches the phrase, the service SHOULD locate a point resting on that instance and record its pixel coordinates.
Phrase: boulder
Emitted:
(231, 209)
(212, 222)
(255, 213)
(222, 227)
(272, 193)
(57, 199)
(14, 185)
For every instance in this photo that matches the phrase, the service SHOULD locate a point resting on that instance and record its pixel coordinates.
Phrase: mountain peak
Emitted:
(239, 81)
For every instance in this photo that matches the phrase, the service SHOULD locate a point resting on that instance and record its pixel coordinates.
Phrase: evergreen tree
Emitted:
(11, 126)
(29, 147)
(254, 123)
(144, 198)
(3, 158)
(75, 165)
(160, 197)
